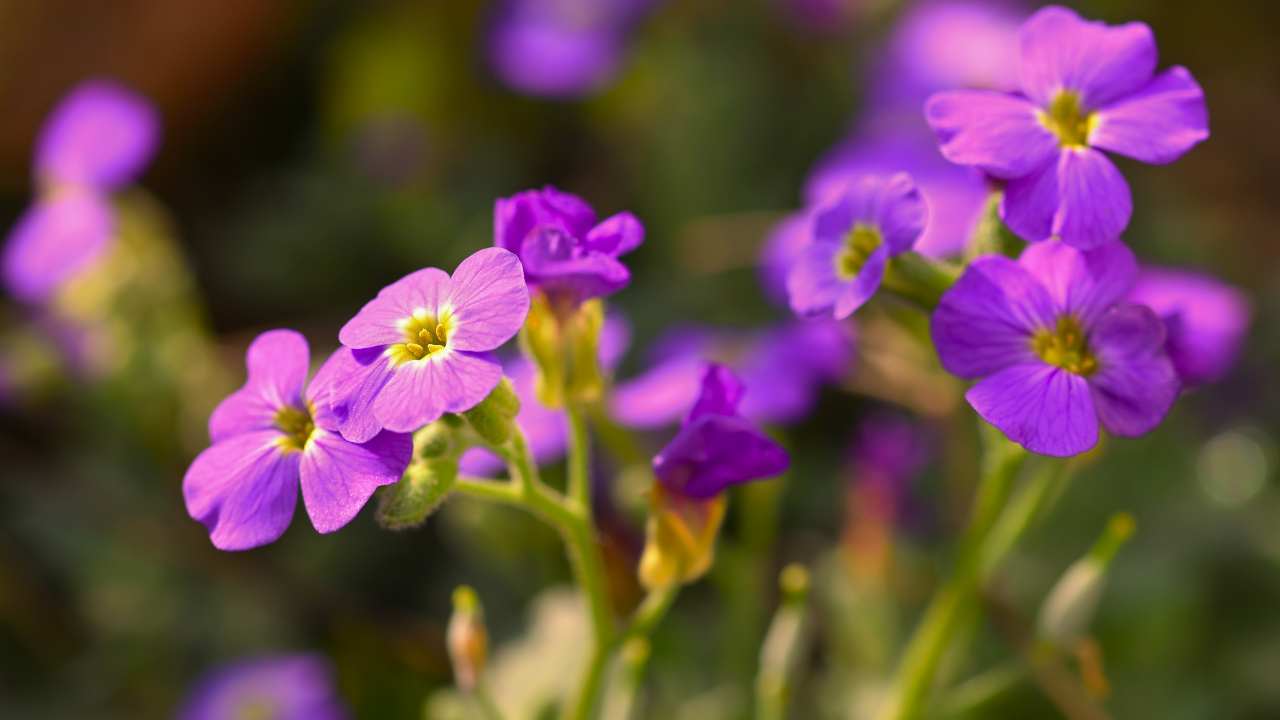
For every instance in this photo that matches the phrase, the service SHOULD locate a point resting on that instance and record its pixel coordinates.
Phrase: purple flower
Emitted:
(561, 48)
(1085, 87)
(954, 195)
(545, 429)
(782, 387)
(945, 44)
(854, 234)
(283, 687)
(275, 434)
(565, 252)
(1056, 347)
(97, 139)
(888, 453)
(421, 347)
(717, 447)
(1205, 320)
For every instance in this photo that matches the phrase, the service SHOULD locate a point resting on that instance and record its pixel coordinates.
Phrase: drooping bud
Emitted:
(493, 418)
(467, 639)
(1072, 603)
(680, 538)
(425, 485)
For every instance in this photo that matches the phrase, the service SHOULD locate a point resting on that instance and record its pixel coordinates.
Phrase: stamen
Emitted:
(1069, 120)
(1066, 347)
(297, 426)
(424, 335)
(859, 244)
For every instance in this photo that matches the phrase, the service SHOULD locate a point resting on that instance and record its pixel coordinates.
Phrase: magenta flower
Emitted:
(1056, 348)
(717, 447)
(283, 687)
(1205, 320)
(887, 455)
(421, 348)
(561, 48)
(1085, 87)
(275, 434)
(96, 140)
(565, 252)
(853, 236)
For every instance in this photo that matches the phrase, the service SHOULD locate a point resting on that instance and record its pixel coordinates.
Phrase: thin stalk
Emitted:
(953, 601)
(579, 457)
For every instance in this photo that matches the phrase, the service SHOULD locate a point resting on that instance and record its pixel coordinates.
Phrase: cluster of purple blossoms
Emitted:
(1084, 87)
(97, 140)
(561, 48)
(1205, 320)
(285, 687)
(566, 252)
(717, 447)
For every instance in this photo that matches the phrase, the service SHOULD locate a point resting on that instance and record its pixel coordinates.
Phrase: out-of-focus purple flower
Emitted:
(785, 242)
(716, 447)
(275, 434)
(955, 195)
(565, 252)
(545, 429)
(887, 454)
(97, 139)
(946, 44)
(421, 348)
(855, 232)
(782, 385)
(1205, 320)
(284, 687)
(1085, 87)
(1056, 347)
(561, 48)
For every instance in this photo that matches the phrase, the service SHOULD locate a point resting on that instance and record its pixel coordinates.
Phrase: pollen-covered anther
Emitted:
(1066, 347)
(297, 426)
(1069, 120)
(425, 335)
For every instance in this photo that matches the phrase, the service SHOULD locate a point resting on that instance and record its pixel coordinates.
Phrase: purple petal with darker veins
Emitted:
(984, 323)
(420, 391)
(1103, 63)
(277, 363)
(1081, 198)
(352, 396)
(517, 216)
(1045, 409)
(339, 477)
(557, 262)
(1135, 384)
(857, 292)
(994, 132)
(714, 452)
(1158, 123)
(243, 489)
(1206, 320)
(489, 298)
(379, 321)
(901, 213)
(53, 241)
(616, 235)
(100, 136)
(812, 284)
(1085, 284)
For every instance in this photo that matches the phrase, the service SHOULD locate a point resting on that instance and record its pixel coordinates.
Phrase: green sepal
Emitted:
(584, 381)
(541, 341)
(992, 236)
(425, 485)
(493, 418)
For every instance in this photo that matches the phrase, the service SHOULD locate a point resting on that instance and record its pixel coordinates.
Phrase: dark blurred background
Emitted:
(314, 151)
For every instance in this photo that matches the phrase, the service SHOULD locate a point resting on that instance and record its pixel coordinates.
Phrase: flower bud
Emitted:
(492, 419)
(680, 538)
(542, 341)
(1072, 603)
(564, 342)
(584, 380)
(467, 639)
(425, 485)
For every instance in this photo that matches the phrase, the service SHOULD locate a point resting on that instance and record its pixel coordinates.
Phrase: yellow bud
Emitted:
(680, 538)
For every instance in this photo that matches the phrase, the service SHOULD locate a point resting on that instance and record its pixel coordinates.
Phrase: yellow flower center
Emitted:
(861, 241)
(1066, 347)
(297, 426)
(1069, 120)
(424, 335)
(257, 708)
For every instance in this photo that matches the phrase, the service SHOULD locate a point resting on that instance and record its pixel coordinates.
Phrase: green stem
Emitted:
(953, 601)
(919, 279)
(579, 457)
